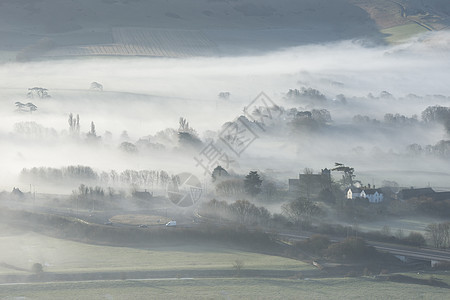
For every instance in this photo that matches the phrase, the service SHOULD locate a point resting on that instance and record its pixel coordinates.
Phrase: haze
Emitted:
(105, 105)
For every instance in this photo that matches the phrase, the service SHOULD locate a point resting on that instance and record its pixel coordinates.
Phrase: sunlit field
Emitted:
(401, 33)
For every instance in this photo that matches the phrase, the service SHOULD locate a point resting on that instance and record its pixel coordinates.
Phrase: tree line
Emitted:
(141, 178)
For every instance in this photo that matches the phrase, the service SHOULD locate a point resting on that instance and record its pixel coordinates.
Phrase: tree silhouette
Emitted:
(347, 178)
(29, 107)
(38, 92)
(219, 173)
(96, 86)
(74, 124)
(20, 106)
(301, 211)
(252, 183)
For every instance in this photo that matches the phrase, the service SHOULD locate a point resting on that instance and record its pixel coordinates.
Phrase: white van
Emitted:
(171, 224)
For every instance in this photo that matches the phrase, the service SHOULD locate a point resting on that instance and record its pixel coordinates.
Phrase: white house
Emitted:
(373, 195)
(353, 193)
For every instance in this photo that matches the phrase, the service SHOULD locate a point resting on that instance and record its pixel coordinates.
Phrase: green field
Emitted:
(184, 273)
(227, 288)
(401, 33)
(22, 249)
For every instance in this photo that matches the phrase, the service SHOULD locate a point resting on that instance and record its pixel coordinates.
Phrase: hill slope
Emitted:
(231, 24)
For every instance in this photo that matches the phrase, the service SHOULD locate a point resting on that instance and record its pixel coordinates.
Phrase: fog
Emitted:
(164, 141)
(146, 95)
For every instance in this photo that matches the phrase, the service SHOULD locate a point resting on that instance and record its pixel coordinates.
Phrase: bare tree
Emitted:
(238, 264)
(301, 211)
(244, 211)
(38, 92)
(439, 234)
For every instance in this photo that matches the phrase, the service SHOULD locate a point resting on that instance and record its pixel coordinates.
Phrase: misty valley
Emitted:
(224, 149)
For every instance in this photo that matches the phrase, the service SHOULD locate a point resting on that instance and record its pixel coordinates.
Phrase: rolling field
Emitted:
(145, 42)
(20, 250)
(227, 288)
(185, 272)
(401, 33)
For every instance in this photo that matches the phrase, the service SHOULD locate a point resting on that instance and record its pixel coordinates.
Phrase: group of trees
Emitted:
(25, 107)
(432, 114)
(74, 124)
(55, 175)
(278, 117)
(227, 185)
(389, 119)
(306, 95)
(440, 149)
(439, 234)
(436, 113)
(140, 179)
(241, 211)
(308, 120)
(87, 196)
(301, 212)
(38, 92)
(92, 134)
(34, 131)
(187, 136)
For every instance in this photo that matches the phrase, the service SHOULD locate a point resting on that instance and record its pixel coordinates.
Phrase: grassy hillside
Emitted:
(402, 19)
(21, 249)
(232, 25)
(250, 24)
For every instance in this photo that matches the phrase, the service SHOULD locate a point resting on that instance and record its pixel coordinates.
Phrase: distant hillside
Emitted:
(254, 24)
(56, 16)
(230, 24)
(404, 18)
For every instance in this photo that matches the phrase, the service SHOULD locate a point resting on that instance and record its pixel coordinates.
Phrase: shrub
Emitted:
(415, 239)
(316, 243)
(238, 264)
(37, 268)
(351, 249)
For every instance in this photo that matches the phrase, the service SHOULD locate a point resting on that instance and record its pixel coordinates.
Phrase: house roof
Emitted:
(412, 193)
(354, 190)
(372, 191)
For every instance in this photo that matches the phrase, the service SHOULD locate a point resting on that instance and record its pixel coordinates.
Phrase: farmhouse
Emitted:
(310, 185)
(373, 195)
(353, 193)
